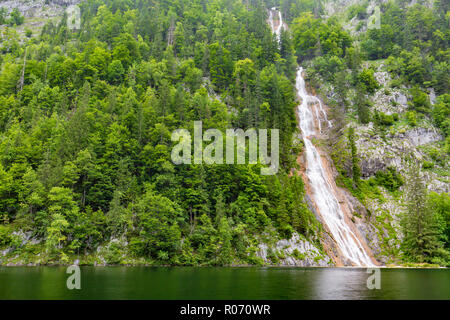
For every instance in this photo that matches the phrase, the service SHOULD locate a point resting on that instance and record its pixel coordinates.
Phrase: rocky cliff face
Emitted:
(378, 220)
(401, 140)
(296, 251)
(37, 12)
(38, 8)
(394, 145)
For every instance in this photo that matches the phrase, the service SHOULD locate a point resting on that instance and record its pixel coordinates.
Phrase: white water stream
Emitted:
(322, 190)
(323, 195)
(277, 30)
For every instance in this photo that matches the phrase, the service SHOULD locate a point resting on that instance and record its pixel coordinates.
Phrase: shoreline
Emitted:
(223, 266)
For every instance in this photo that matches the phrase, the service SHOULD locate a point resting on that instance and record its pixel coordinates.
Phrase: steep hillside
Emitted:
(86, 122)
(393, 92)
(87, 116)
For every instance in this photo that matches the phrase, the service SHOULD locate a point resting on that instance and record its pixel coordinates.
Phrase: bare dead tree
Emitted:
(22, 76)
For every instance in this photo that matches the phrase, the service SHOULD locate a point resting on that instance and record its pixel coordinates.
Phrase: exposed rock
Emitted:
(309, 253)
(37, 12)
(376, 154)
(369, 233)
(432, 96)
(6, 251)
(392, 100)
(421, 136)
(400, 98)
(394, 145)
(38, 8)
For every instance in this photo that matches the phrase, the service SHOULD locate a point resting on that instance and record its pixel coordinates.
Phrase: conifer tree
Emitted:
(420, 234)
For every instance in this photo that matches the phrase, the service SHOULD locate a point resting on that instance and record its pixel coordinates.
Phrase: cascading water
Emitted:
(276, 30)
(323, 194)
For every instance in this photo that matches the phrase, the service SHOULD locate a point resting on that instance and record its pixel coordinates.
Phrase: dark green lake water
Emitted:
(222, 283)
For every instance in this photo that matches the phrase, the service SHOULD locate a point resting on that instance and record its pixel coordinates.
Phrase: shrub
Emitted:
(383, 119)
(297, 255)
(16, 18)
(358, 10)
(411, 117)
(386, 119)
(113, 253)
(427, 165)
(272, 256)
(5, 235)
(367, 79)
(420, 101)
(389, 178)
(360, 25)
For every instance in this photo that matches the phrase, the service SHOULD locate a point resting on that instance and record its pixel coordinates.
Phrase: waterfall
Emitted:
(276, 30)
(320, 180)
(322, 190)
(280, 25)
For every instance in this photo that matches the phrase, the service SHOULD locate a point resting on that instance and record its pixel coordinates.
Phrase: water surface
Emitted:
(222, 283)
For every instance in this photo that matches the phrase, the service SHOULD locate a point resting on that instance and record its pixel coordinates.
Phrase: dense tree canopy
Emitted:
(86, 118)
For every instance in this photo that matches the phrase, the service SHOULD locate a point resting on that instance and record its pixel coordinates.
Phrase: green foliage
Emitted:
(358, 10)
(5, 235)
(441, 113)
(328, 67)
(379, 43)
(440, 205)
(363, 105)
(420, 101)
(356, 170)
(157, 226)
(2, 15)
(367, 80)
(116, 72)
(383, 119)
(427, 165)
(16, 18)
(114, 253)
(55, 232)
(420, 223)
(411, 117)
(272, 256)
(85, 131)
(297, 255)
(389, 178)
(312, 37)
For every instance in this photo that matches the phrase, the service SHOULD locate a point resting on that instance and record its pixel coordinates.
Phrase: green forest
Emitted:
(86, 118)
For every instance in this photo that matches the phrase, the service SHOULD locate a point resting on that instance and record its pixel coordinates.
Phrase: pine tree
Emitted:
(362, 105)
(356, 170)
(419, 226)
